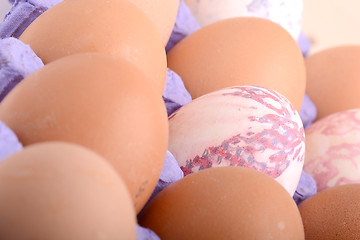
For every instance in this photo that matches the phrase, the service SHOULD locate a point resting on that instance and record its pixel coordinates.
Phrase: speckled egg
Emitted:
(244, 126)
(286, 13)
(333, 149)
(332, 214)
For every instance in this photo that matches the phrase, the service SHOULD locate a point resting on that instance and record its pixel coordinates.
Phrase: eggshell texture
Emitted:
(240, 126)
(99, 102)
(332, 154)
(333, 79)
(162, 13)
(288, 14)
(116, 27)
(63, 191)
(240, 51)
(332, 214)
(224, 203)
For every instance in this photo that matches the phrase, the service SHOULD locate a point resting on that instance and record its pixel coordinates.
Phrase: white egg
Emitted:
(332, 155)
(244, 126)
(286, 13)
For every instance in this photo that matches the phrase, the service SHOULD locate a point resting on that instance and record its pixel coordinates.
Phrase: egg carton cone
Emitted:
(9, 143)
(305, 189)
(17, 61)
(175, 94)
(185, 24)
(145, 234)
(22, 14)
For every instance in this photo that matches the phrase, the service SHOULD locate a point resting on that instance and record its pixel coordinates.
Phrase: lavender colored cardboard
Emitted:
(308, 111)
(305, 189)
(17, 61)
(22, 14)
(175, 94)
(9, 143)
(185, 24)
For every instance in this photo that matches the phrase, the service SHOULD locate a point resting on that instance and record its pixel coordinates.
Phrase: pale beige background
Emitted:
(331, 22)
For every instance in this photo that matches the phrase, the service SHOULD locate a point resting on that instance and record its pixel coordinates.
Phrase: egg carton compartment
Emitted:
(18, 61)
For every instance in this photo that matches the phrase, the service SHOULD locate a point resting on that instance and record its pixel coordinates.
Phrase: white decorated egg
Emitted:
(333, 149)
(243, 126)
(286, 13)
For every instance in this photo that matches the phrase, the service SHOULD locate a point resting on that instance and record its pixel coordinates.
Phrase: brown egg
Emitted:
(63, 191)
(99, 102)
(333, 213)
(116, 27)
(162, 13)
(224, 203)
(333, 79)
(240, 51)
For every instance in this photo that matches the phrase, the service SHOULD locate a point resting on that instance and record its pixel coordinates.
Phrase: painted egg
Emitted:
(244, 126)
(288, 14)
(333, 149)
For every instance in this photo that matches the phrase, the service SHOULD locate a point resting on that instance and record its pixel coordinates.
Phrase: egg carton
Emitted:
(19, 61)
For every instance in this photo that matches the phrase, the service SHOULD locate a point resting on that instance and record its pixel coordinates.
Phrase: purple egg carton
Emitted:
(9, 143)
(17, 61)
(22, 14)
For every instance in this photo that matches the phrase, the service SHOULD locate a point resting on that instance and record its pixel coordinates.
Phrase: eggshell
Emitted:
(333, 79)
(332, 154)
(116, 27)
(63, 191)
(162, 13)
(288, 14)
(240, 51)
(224, 203)
(332, 214)
(100, 102)
(245, 126)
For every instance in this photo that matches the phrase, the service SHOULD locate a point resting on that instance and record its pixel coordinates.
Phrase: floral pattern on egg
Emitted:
(333, 149)
(243, 126)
